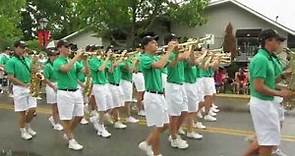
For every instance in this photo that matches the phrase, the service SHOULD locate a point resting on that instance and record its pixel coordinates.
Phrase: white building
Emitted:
(248, 18)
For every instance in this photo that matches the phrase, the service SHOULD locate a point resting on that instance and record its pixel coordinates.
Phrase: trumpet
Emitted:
(198, 42)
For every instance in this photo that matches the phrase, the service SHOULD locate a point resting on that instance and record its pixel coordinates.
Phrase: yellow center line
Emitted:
(215, 130)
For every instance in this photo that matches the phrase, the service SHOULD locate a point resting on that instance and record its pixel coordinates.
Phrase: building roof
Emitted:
(276, 12)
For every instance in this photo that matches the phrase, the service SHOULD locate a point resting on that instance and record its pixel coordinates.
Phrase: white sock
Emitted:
(23, 130)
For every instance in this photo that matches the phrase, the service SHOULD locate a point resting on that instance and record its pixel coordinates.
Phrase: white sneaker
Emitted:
(103, 132)
(215, 110)
(200, 116)
(94, 121)
(211, 113)
(210, 118)
(177, 143)
(119, 125)
(51, 120)
(146, 148)
(58, 127)
(194, 135)
(141, 113)
(25, 135)
(132, 120)
(278, 152)
(214, 106)
(181, 131)
(84, 121)
(31, 131)
(200, 125)
(73, 144)
(177, 137)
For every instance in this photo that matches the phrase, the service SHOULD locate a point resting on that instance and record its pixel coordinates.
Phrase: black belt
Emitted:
(155, 92)
(179, 83)
(69, 90)
(115, 84)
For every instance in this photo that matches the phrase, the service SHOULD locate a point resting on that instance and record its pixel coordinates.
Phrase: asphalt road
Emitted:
(226, 137)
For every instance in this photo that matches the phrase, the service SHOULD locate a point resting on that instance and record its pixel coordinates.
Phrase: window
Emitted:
(291, 41)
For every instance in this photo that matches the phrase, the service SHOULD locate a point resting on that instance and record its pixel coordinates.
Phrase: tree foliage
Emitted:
(125, 19)
(9, 19)
(229, 44)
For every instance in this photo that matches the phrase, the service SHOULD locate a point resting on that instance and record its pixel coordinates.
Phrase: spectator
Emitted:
(220, 77)
(241, 81)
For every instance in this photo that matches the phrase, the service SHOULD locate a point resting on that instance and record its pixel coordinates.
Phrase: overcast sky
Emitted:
(285, 9)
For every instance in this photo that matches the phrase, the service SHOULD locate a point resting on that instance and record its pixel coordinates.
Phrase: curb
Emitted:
(246, 97)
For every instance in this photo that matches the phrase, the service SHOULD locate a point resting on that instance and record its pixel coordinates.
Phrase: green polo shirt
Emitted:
(152, 76)
(262, 67)
(20, 68)
(277, 66)
(138, 66)
(190, 73)
(48, 72)
(206, 72)
(81, 75)
(198, 72)
(114, 77)
(98, 77)
(4, 59)
(175, 73)
(68, 80)
(126, 74)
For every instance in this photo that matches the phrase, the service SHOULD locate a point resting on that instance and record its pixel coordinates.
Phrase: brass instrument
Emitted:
(289, 103)
(192, 41)
(88, 86)
(213, 55)
(36, 77)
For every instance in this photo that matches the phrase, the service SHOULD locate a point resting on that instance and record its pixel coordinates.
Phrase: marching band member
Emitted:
(18, 69)
(154, 101)
(69, 98)
(101, 92)
(114, 77)
(175, 93)
(51, 89)
(265, 115)
(138, 81)
(126, 84)
(3, 60)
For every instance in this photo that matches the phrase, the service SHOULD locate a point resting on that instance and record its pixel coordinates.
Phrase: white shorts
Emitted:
(200, 92)
(192, 97)
(117, 95)
(176, 99)
(127, 90)
(266, 121)
(103, 97)
(138, 81)
(23, 101)
(50, 94)
(70, 104)
(277, 101)
(208, 85)
(164, 80)
(155, 110)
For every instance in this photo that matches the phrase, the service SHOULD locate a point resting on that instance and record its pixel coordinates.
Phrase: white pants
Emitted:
(70, 104)
(127, 90)
(155, 110)
(50, 94)
(208, 85)
(138, 81)
(23, 101)
(103, 97)
(164, 80)
(176, 99)
(266, 121)
(192, 97)
(117, 95)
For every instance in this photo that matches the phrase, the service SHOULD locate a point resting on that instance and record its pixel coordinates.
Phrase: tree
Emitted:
(126, 19)
(229, 44)
(9, 19)
(60, 14)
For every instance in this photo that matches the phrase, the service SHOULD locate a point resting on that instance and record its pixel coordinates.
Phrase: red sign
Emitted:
(43, 38)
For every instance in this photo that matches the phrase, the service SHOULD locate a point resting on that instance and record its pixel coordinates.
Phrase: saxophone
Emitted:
(36, 77)
(289, 103)
(88, 86)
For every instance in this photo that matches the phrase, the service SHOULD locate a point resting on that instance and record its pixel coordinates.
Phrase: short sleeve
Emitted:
(94, 64)
(146, 62)
(259, 68)
(9, 67)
